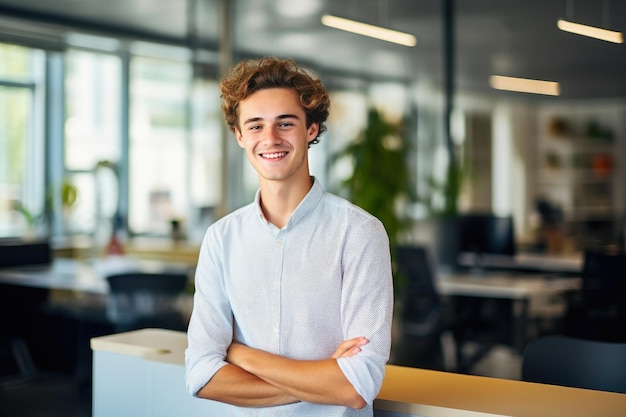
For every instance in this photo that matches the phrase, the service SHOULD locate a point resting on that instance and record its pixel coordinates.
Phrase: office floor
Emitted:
(59, 396)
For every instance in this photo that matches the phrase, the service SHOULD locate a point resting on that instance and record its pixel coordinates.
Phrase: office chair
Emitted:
(599, 310)
(425, 316)
(140, 299)
(574, 362)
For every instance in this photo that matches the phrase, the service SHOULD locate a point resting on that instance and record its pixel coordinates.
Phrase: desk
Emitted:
(570, 264)
(85, 279)
(520, 288)
(85, 276)
(63, 288)
(514, 286)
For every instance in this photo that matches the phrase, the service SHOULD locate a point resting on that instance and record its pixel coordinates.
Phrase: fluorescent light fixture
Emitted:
(590, 31)
(372, 31)
(524, 85)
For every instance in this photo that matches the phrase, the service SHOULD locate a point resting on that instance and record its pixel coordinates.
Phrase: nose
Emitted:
(272, 135)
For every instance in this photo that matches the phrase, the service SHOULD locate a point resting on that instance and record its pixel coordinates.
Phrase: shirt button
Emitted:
(275, 328)
(276, 284)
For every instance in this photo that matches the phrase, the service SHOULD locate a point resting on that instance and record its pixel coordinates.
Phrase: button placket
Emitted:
(276, 290)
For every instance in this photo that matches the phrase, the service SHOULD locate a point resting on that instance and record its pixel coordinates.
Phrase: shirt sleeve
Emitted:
(367, 307)
(210, 327)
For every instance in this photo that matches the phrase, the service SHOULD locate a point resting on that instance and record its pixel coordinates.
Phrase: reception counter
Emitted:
(141, 373)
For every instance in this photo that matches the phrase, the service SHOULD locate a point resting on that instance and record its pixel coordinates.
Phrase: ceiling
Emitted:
(505, 37)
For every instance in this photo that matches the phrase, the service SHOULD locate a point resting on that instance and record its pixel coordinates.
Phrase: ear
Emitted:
(239, 138)
(313, 131)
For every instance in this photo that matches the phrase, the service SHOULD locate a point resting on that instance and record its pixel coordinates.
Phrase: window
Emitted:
(172, 167)
(21, 142)
(158, 151)
(92, 135)
(206, 156)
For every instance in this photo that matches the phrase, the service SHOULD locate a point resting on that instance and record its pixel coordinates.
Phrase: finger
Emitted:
(355, 349)
(347, 347)
(351, 352)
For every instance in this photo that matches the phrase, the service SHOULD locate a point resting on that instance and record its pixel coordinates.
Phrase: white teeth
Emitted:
(274, 155)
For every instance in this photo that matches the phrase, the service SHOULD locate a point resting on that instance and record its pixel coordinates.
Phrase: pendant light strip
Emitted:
(590, 31)
(371, 31)
(524, 85)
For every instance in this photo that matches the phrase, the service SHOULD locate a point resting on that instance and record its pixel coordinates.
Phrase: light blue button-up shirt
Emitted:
(298, 292)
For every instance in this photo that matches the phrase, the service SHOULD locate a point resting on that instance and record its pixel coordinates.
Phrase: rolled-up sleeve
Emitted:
(367, 310)
(210, 328)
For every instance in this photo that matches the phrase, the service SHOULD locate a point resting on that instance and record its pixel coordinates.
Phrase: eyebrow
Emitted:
(279, 117)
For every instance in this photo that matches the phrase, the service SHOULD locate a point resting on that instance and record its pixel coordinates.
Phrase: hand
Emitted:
(349, 347)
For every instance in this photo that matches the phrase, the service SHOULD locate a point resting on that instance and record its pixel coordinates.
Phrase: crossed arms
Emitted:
(255, 378)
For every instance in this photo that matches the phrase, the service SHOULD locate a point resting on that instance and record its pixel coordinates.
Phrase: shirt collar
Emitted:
(308, 203)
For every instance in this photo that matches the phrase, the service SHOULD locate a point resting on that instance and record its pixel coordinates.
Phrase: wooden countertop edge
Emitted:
(416, 391)
(496, 396)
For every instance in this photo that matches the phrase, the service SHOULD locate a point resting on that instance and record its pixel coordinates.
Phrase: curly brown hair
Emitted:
(250, 76)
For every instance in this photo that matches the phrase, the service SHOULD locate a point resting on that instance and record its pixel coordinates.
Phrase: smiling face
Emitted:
(272, 130)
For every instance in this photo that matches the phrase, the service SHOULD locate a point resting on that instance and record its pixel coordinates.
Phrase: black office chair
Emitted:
(599, 310)
(425, 316)
(140, 299)
(574, 362)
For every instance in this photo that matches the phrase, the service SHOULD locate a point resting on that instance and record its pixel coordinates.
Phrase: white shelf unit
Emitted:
(581, 164)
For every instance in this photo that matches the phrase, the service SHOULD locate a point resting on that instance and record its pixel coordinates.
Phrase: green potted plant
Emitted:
(29, 219)
(380, 180)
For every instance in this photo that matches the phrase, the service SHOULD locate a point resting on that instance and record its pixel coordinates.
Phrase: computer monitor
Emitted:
(483, 234)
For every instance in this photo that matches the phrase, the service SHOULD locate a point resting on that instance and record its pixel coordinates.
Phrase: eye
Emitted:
(285, 124)
(254, 127)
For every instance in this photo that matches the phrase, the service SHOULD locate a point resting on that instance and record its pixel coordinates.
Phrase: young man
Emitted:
(293, 302)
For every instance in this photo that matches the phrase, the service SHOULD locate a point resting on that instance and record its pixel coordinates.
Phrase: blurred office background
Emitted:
(119, 102)
(110, 118)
